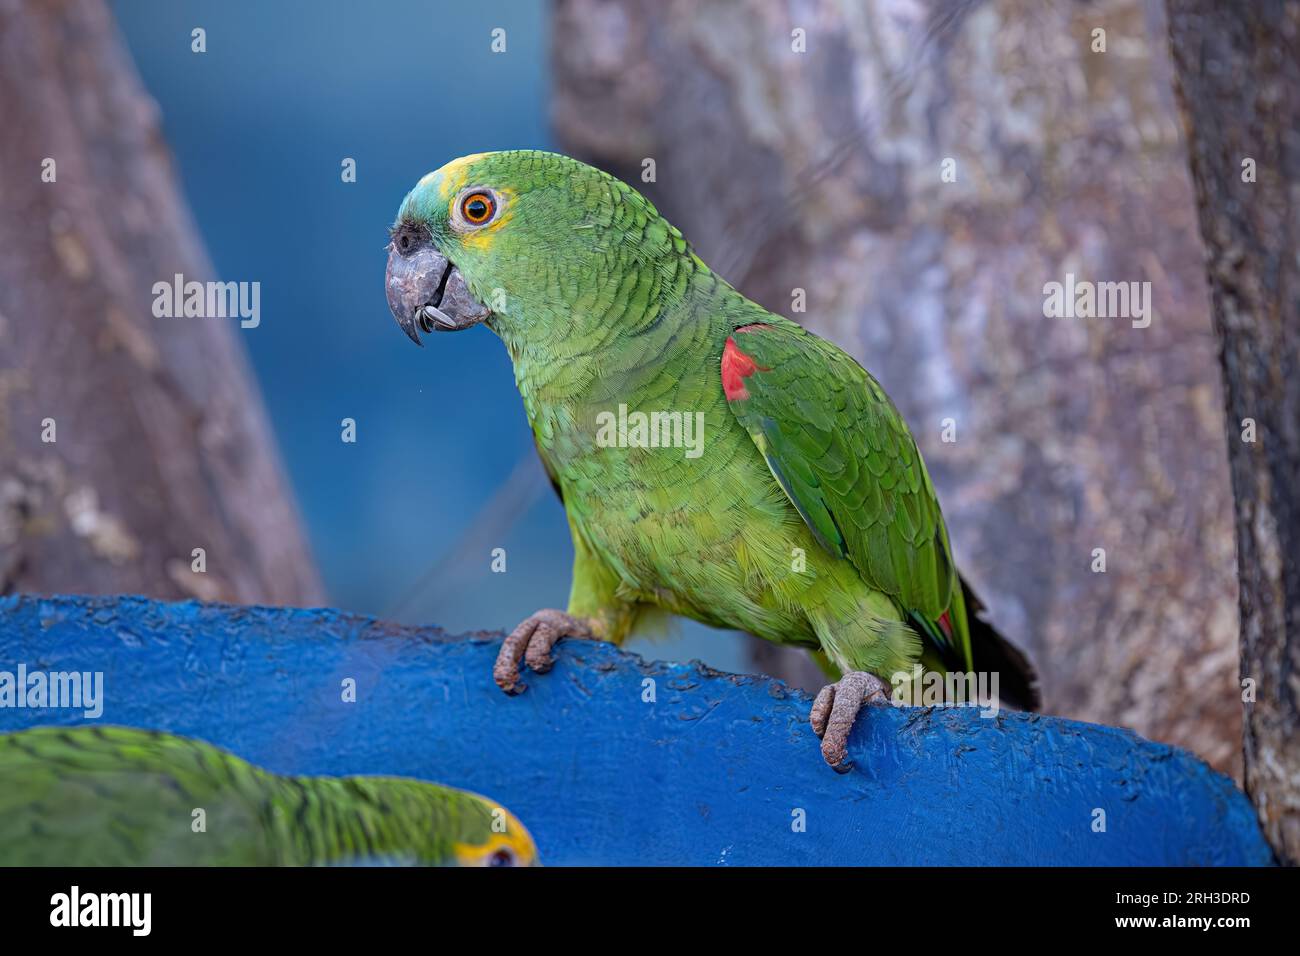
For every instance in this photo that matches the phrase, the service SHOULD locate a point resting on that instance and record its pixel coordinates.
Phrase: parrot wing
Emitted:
(844, 456)
(112, 796)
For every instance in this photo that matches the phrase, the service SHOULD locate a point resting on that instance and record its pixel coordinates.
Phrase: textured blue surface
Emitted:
(712, 772)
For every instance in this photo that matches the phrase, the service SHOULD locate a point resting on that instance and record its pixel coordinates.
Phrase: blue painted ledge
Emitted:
(710, 773)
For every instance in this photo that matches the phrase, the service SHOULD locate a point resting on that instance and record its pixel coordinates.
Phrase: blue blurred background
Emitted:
(403, 522)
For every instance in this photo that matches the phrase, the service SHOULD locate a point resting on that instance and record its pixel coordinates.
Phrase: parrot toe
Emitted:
(531, 642)
(835, 709)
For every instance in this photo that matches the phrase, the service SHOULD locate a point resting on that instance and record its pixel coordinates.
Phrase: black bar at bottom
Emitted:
(332, 905)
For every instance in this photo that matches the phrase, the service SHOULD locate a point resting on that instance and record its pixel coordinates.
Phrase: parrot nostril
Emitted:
(408, 238)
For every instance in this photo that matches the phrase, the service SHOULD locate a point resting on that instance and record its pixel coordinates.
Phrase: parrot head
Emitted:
(432, 825)
(515, 239)
(490, 836)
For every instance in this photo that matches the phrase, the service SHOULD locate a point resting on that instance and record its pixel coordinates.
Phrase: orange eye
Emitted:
(478, 208)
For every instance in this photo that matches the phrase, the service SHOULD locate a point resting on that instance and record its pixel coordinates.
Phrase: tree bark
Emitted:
(823, 171)
(1238, 70)
(160, 445)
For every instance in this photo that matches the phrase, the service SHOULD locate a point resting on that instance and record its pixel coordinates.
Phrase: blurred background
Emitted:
(798, 146)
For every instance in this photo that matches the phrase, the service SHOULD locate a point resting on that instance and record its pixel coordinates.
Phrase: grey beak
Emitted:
(426, 291)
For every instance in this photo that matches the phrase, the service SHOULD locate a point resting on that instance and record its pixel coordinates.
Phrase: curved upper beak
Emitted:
(426, 291)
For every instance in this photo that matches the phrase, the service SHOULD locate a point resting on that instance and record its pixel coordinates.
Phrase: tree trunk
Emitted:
(824, 171)
(1238, 68)
(126, 441)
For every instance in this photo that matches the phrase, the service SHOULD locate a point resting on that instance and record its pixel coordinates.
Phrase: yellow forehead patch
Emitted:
(451, 177)
(478, 854)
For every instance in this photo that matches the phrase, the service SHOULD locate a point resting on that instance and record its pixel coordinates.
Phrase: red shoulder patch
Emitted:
(737, 366)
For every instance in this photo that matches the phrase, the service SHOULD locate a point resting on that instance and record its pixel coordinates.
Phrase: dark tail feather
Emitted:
(991, 652)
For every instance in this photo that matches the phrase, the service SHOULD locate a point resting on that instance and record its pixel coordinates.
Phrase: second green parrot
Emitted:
(116, 796)
(715, 460)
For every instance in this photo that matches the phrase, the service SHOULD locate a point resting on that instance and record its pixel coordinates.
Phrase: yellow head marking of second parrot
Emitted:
(513, 847)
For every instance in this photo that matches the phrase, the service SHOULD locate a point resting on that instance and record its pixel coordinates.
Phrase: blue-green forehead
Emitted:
(431, 195)
(513, 172)
(424, 202)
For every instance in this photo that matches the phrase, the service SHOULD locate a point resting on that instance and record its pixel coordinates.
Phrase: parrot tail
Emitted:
(1017, 681)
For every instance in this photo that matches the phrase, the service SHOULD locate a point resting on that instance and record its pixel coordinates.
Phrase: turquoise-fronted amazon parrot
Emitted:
(116, 796)
(804, 515)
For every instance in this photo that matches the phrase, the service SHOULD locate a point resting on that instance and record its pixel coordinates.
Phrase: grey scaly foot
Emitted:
(531, 642)
(835, 709)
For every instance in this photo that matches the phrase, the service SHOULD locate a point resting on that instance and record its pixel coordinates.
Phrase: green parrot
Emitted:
(116, 796)
(775, 489)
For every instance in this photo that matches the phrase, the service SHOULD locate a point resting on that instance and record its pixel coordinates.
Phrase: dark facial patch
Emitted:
(408, 237)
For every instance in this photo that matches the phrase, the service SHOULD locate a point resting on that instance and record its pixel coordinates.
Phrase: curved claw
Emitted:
(531, 642)
(836, 708)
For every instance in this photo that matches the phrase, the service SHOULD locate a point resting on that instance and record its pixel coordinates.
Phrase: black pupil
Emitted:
(404, 242)
(502, 858)
(477, 209)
